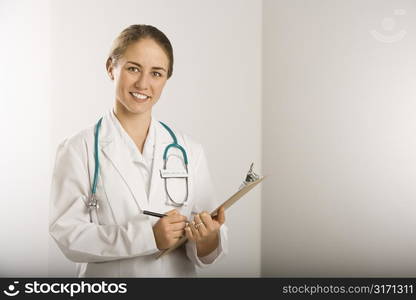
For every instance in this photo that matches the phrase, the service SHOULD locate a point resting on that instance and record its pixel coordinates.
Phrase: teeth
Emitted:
(140, 96)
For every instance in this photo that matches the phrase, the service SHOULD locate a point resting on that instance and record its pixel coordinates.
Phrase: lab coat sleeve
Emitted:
(69, 224)
(205, 200)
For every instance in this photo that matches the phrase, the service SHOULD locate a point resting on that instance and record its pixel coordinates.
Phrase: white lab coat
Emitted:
(120, 242)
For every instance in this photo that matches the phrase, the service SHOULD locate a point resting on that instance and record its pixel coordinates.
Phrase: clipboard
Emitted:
(226, 204)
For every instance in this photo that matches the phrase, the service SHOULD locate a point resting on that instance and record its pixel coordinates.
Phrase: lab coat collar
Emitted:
(108, 132)
(113, 147)
(135, 154)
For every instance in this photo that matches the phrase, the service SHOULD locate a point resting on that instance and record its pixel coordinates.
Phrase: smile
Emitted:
(140, 96)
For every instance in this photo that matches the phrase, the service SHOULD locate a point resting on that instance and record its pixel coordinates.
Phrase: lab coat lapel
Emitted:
(113, 148)
(156, 193)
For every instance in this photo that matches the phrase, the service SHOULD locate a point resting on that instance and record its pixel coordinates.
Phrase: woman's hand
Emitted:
(204, 230)
(168, 230)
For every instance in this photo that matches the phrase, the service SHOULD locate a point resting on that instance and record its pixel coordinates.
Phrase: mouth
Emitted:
(140, 96)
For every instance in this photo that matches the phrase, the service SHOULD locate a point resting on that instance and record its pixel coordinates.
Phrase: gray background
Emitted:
(339, 127)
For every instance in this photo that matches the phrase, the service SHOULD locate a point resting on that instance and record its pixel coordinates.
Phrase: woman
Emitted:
(108, 174)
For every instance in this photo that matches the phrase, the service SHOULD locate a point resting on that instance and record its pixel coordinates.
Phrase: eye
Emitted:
(133, 69)
(156, 74)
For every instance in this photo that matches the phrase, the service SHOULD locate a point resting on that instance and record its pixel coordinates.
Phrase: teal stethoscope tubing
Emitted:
(93, 203)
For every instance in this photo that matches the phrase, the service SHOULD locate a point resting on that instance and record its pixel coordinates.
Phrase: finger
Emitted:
(177, 226)
(207, 220)
(200, 226)
(177, 234)
(189, 233)
(176, 218)
(174, 236)
(221, 215)
(172, 212)
(194, 231)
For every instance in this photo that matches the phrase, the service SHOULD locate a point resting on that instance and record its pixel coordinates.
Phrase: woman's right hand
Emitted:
(168, 230)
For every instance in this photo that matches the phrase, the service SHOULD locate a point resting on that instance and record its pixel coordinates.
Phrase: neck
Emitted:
(136, 125)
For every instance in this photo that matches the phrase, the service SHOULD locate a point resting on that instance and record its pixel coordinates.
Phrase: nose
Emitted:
(142, 82)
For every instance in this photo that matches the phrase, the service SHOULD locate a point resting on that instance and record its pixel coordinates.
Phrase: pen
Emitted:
(154, 214)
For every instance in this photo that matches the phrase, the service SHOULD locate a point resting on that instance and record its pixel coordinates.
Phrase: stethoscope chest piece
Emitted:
(92, 205)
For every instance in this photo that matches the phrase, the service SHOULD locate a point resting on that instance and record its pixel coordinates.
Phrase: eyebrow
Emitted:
(139, 65)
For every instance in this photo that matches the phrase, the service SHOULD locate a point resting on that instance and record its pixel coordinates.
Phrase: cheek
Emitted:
(124, 80)
(158, 87)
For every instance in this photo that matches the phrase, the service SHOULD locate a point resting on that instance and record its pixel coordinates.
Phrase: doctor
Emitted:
(108, 174)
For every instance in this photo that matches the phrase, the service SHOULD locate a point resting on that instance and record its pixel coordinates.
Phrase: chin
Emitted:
(132, 107)
(140, 109)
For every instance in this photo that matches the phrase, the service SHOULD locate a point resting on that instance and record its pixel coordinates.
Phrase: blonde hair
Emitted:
(134, 33)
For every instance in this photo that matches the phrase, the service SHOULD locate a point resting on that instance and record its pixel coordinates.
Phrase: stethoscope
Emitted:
(164, 173)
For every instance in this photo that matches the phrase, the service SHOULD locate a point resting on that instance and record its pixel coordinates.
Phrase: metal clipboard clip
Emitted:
(250, 177)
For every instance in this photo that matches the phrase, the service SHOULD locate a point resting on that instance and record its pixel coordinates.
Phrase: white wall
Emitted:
(339, 138)
(25, 132)
(214, 94)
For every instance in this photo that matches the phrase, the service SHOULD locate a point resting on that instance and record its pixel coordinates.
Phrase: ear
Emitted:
(109, 66)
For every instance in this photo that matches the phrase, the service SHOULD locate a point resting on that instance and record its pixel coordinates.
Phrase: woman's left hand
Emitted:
(204, 231)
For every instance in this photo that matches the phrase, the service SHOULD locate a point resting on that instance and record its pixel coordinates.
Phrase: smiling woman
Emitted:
(139, 75)
(108, 174)
(140, 62)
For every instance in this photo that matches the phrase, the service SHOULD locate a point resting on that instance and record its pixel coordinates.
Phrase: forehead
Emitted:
(147, 53)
